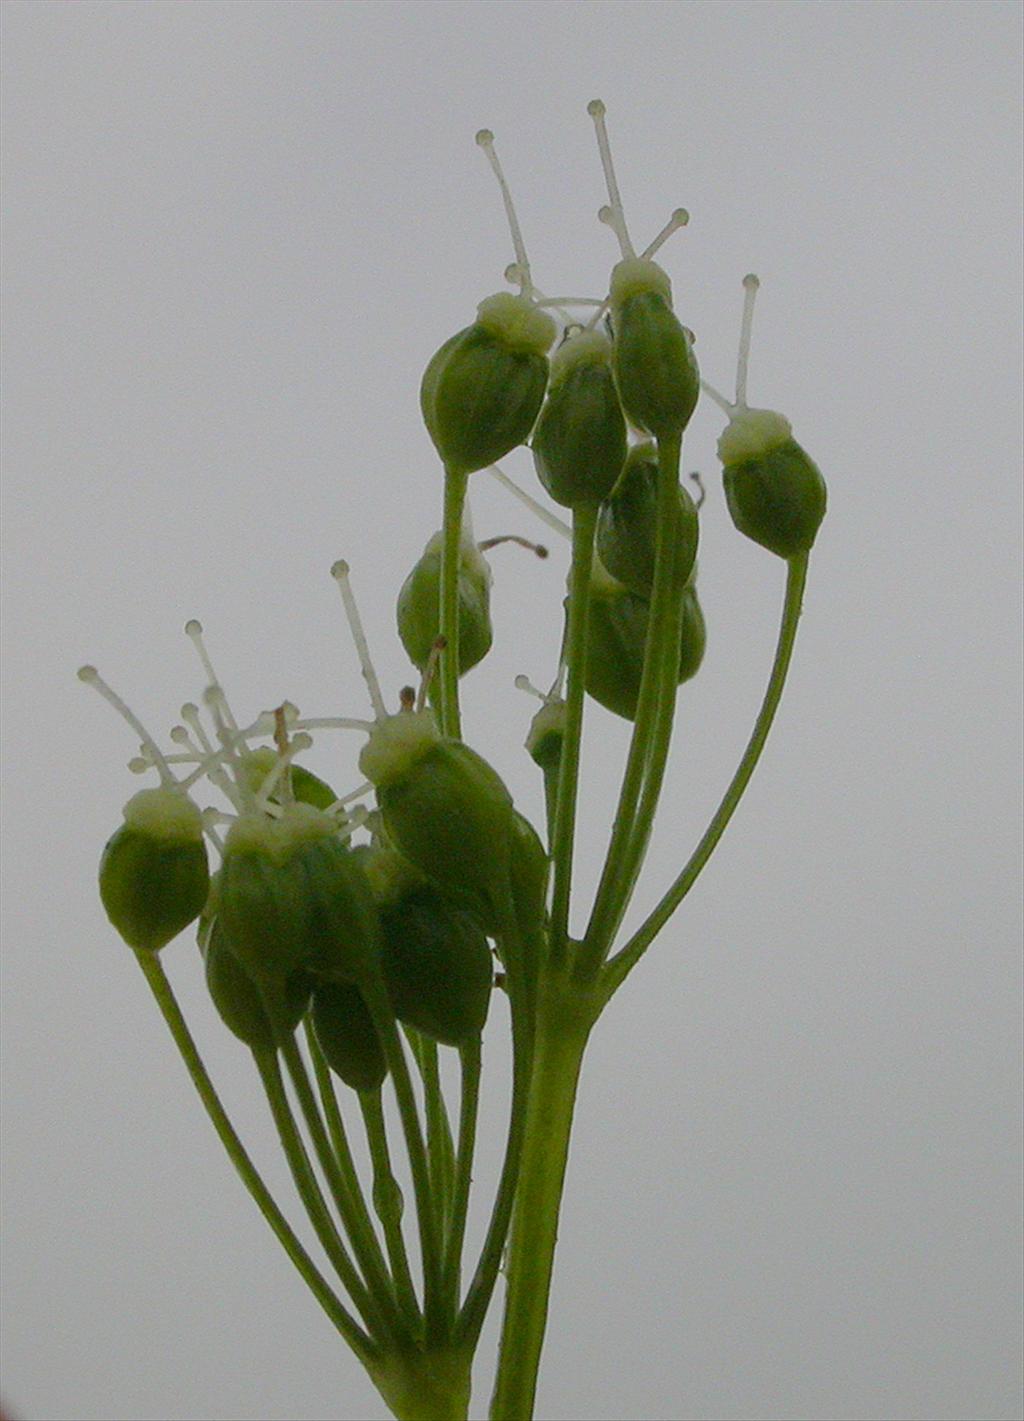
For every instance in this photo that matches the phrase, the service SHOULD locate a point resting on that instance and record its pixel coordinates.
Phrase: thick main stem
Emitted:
(426, 1386)
(563, 1025)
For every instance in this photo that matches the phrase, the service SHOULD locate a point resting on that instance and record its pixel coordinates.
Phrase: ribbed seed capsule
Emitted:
(347, 1036)
(617, 639)
(242, 1006)
(579, 444)
(154, 876)
(482, 391)
(419, 602)
(264, 902)
(528, 874)
(345, 930)
(306, 787)
(693, 636)
(775, 491)
(437, 966)
(655, 367)
(445, 810)
(627, 525)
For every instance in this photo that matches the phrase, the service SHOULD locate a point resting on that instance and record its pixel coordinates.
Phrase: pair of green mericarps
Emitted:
(296, 921)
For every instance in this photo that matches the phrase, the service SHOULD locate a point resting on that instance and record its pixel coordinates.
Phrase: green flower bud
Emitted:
(437, 966)
(627, 525)
(655, 367)
(444, 809)
(261, 1016)
(419, 604)
(775, 492)
(580, 441)
(347, 1036)
(154, 875)
(307, 788)
(482, 390)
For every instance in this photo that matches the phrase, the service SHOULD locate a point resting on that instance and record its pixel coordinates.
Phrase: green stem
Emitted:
(619, 967)
(426, 1386)
(440, 1147)
(520, 994)
(608, 904)
(309, 1190)
(551, 801)
(470, 1059)
(343, 1176)
(563, 1025)
(375, 995)
(387, 1200)
(454, 498)
(332, 1305)
(584, 521)
(654, 774)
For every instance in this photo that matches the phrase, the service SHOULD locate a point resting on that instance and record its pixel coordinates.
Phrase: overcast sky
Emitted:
(234, 235)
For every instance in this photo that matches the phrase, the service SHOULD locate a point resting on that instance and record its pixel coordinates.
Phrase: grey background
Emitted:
(234, 235)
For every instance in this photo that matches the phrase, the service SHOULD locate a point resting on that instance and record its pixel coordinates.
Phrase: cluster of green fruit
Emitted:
(297, 921)
(301, 924)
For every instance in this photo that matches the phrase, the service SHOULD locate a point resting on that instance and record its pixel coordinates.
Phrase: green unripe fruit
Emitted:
(655, 367)
(616, 637)
(389, 875)
(546, 735)
(347, 1036)
(445, 810)
(419, 619)
(775, 492)
(154, 874)
(263, 1017)
(482, 390)
(265, 905)
(345, 931)
(437, 966)
(528, 874)
(580, 441)
(307, 788)
(628, 521)
(617, 640)
(693, 635)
